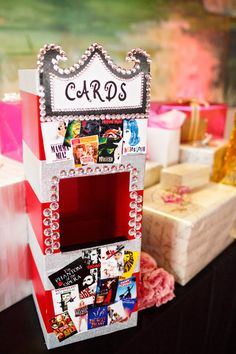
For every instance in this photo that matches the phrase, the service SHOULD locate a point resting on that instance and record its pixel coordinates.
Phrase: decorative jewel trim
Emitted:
(88, 171)
(48, 251)
(50, 221)
(44, 118)
(135, 213)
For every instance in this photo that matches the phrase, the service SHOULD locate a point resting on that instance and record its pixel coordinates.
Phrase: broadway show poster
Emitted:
(127, 293)
(97, 317)
(81, 316)
(112, 261)
(53, 139)
(85, 150)
(92, 257)
(89, 127)
(116, 313)
(92, 260)
(72, 131)
(63, 326)
(130, 261)
(88, 283)
(135, 136)
(65, 298)
(110, 141)
(106, 291)
(69, 275)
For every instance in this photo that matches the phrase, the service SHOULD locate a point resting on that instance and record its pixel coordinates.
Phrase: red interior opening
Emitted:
(93, 210)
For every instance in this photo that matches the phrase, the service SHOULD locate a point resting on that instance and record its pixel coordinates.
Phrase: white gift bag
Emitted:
(163, 146)
(164, 137)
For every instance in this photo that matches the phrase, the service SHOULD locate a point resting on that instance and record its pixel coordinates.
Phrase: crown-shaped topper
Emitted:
(94, 86)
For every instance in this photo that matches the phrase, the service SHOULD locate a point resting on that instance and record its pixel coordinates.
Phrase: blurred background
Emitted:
(191, 43)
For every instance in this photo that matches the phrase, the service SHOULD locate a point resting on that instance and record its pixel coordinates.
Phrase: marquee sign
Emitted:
(94, 85)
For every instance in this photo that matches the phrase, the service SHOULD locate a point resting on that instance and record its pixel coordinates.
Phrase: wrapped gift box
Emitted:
(14, 268)
(152, 173)
(184, 238)
(212, 117)
(10, 129)
(185, 174)
(210, 155)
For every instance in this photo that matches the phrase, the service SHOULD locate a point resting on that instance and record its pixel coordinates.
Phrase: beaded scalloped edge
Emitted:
(135, 55)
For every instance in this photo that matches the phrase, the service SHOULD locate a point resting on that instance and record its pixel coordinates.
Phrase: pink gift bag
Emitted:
(10, 129)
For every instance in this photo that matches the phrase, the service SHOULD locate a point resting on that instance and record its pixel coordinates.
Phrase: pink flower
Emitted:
(147, 263)
(146, 297)
(172, 198)
(156, 285)
(183, 190)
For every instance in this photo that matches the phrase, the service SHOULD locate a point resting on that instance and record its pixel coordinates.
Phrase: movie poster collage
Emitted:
(97, 289)
(90, 142)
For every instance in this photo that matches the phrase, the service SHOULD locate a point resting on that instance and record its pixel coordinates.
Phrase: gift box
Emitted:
(211, 155)
(11, 129)
(185, 174)
(152, 173)
(84, 157)
(14, 265)
(202, 117)
(185, 234)
(164, 137)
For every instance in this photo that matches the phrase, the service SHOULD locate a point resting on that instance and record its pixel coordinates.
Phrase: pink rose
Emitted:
(147, 263)
(156, 285)
(146, 296)
(144, 304)
(147, 292)
(163, 300)
(160, 280)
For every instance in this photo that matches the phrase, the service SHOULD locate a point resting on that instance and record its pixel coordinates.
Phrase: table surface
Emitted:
(201, 319)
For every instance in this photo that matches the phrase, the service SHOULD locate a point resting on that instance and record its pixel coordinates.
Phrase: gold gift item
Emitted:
(229, 169)
(195, 127)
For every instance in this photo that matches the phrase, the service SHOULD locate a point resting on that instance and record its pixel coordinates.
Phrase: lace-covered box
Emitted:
(152, 174)
(184, 233)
